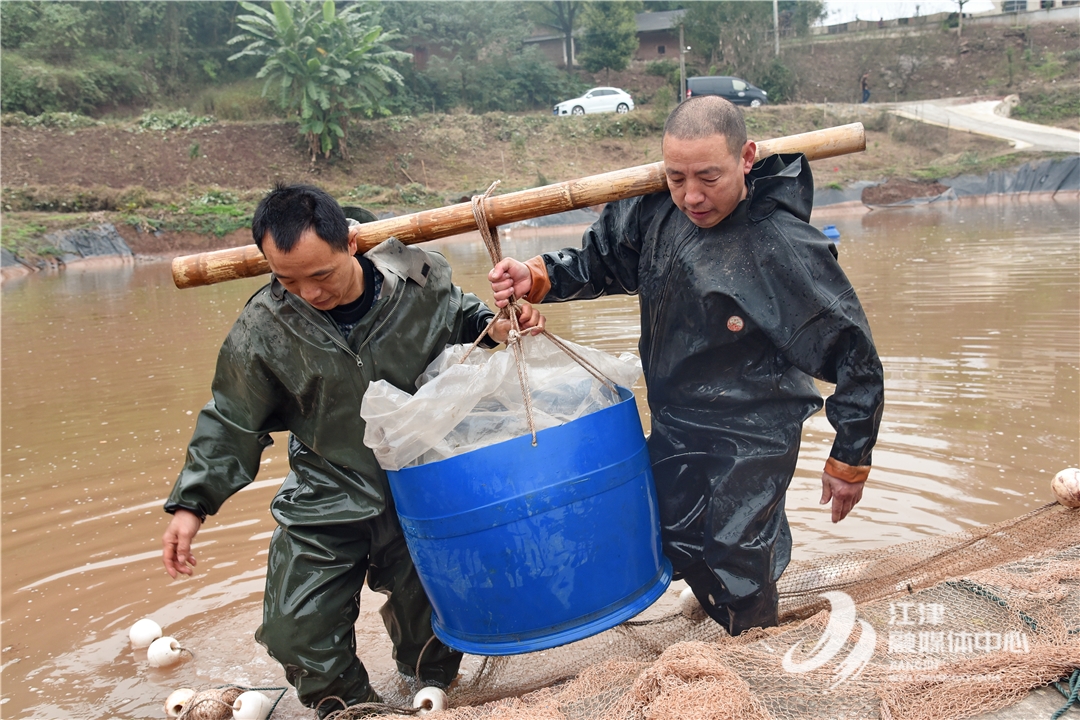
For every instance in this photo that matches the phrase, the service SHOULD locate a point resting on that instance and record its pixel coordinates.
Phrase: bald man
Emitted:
(743, 304)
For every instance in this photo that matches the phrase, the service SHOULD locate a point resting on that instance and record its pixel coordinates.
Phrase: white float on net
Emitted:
(164, 652)
(430, 699)
(252, 705)
(174, 704)
(1066, 487)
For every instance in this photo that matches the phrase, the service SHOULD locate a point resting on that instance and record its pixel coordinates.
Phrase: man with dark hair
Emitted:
(743, 304)
(299, 358)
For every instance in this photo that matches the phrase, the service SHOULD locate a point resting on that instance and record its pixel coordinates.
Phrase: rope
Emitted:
(364, 710)
(592, 369)
(490, 235)
(1072, 695)
(280, 691)
(420, 657)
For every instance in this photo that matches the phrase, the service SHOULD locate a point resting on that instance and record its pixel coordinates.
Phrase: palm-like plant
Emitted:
(328, 65)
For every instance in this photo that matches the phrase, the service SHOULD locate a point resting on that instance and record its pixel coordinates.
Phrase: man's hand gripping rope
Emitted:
(518, 318)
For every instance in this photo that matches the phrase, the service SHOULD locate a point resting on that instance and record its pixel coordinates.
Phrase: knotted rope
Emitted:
(490, 234)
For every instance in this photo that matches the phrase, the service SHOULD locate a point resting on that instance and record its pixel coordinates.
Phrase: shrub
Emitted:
(236, 101)
(661, 104)
(505, 82)
(365, 192)
(54, 120)
(176, 120)
(1050, 68)
(1047, 107)
(415, 194)
(661, 68)
(216, 198)
(779, 81)
(35, 87)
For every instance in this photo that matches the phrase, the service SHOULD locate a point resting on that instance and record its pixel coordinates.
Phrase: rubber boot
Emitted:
(757, 611)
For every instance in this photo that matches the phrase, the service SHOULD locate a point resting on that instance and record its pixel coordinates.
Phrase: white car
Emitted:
(597, 100)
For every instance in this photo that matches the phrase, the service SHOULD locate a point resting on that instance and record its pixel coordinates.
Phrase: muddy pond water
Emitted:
(976, 314)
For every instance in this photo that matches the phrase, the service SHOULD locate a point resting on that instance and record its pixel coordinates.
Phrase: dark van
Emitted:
(737, 90)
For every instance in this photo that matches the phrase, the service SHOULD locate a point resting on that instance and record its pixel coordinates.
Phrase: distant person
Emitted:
(742, 305)
(865, 85)
(299, 358)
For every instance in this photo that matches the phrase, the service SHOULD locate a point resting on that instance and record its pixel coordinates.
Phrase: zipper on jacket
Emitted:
(390, 312)
(341, 343)
(344, 346)
(662, 297)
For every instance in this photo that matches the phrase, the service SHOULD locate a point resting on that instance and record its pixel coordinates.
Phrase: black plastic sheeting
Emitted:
(1046, 176)
(7, 258)
(88, 242)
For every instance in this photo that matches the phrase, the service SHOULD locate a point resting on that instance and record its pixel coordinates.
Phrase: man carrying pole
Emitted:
(300, 358)
(743, 304)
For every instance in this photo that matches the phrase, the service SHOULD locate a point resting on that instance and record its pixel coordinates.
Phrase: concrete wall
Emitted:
(1063, 11)
(1013, 6)
(1058, 14)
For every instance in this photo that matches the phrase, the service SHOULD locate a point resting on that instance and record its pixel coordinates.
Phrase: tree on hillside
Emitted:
(797, 16)
(960, 19)
(735, 36)
(468, 42)
(87, 56)
(328, 65)
(562, 16)
(610, 35)
(52, 31)
(469, 30)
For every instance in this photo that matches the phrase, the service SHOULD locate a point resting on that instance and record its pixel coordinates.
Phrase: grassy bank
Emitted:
(180, 177)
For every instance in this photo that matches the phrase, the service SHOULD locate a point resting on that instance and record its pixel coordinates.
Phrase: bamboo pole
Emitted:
(234, 263)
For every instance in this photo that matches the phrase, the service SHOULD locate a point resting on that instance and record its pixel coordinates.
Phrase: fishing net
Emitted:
(938, 628)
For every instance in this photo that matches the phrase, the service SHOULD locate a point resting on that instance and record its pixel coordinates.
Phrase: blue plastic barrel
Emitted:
(524, 548)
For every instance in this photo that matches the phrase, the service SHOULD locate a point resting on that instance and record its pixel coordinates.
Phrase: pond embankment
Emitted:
(110, 243)
(172, 192)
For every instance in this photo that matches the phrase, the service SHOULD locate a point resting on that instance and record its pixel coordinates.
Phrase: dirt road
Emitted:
(981, 117)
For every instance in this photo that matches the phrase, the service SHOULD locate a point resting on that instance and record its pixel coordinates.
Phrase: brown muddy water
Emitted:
(975, 310)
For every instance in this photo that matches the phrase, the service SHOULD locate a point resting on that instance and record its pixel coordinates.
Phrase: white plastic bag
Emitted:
(464, 406)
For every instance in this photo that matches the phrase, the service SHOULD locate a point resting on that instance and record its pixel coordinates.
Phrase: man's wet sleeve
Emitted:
(607, 261)
(827, 336)
(231, 432)
(851, 361)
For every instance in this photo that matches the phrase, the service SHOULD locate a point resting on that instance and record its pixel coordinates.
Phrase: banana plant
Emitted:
(328, 65)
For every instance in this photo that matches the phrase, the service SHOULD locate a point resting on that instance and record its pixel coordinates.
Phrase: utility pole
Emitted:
(682, 65)
(776, 24)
